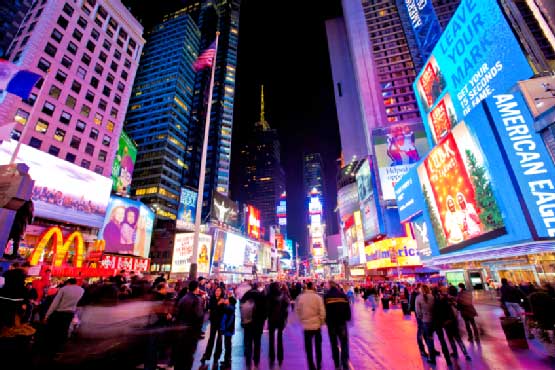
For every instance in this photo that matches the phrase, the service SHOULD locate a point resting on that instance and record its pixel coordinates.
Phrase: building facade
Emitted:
(88, 52)
(264, 178)
(159, 114)
(12, 13)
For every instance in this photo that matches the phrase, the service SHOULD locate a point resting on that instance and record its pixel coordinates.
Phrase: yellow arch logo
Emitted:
(60, 247)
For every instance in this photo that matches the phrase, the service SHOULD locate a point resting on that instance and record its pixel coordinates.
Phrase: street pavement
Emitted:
(112, 337)
(385, 339)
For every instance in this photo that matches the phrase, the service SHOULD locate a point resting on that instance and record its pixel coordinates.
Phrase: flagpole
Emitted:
(28, 123)
(198, 215)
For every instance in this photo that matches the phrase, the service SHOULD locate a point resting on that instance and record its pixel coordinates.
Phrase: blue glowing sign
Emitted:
(187, 209)
(425, 25)
(528, 157)
(408, 192)
(477, 56)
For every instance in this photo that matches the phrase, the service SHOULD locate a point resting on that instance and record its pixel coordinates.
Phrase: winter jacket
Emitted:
(190, 311)
(425, 307)
(310, 309)
(216, 310)
(259, 306)
(228, 321)
(338, 311)
(277, 311)
(511, 294)
(464, 304)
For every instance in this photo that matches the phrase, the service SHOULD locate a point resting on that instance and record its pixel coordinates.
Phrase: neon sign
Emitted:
(60, 247)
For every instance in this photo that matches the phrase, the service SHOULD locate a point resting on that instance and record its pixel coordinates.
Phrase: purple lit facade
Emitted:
(91, 49)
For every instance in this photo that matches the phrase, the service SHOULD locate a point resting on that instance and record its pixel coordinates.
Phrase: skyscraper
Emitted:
(313, 173)
(12, 13)
(264, 178)
(90, 52)
(159, 114)
(170, 158)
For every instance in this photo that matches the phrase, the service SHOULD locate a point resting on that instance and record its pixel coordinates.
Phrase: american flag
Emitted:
(206, 58)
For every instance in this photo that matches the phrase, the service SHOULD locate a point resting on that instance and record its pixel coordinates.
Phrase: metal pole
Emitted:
(28, 123)
(193, 269)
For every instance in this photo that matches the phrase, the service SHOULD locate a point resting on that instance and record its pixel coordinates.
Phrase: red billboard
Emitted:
(253, 222)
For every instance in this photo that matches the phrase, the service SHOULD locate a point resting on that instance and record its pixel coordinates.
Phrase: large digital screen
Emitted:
(63, 191)
(397, 148)
(224, 210)
(183, 252)
(127, 227)
(347, 200)
(253, 222)
(425, 24)
(528, 158)
(234, 250)
(392, 252)
(251, 253)
(458, 192)
(186, 212)
(408, 193)
(476, 56)
(124, 163)
(367, 205)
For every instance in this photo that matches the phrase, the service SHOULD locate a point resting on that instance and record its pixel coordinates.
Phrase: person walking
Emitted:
(452, 326)
(468, 313)
(278, 305)
(216, 306)
(60, 314)
(190, 315)
(419, 325)
(338, 313)
(228, 329)
(311, 312)
(511, 297)
(424, 306)
(253, 315)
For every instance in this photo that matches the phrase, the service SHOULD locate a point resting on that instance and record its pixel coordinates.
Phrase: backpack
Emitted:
(247, 312)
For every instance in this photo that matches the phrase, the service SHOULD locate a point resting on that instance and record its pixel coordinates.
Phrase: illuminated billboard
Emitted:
(127, 227)
(392, 252)
(124, 163)
(234, 250)
(63, 191)
(187, 209)
(347, 200)
(397, 148)
(224, 210)
(458, 192)
(408, 193)
(529, 159)
(183, 253)
(425, 24)
(253, 222)
(367, 204)
(476, 56)
(281, 209)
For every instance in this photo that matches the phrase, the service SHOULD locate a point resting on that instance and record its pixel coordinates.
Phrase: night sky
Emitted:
(282, 44)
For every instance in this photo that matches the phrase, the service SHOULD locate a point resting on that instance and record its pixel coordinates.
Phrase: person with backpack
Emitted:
(277, 304)
(311, 312)
(338, 313)
(253, 315)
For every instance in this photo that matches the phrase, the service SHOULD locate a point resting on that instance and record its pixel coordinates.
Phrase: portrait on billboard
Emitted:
(431, 84)
(397, 148)
(442, 118)
(127, 227)
(124, 163)
(458, 192)
(224, 210)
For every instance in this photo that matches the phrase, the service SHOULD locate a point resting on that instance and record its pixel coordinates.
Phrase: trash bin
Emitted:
(405, 307)
(513, 327)
(385, 303)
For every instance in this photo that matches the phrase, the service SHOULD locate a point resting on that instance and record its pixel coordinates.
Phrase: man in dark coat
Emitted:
(253, 316)
(338, 312)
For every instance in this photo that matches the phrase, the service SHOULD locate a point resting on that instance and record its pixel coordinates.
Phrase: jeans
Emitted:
(272, 352)
(470, 328)
(454, 336)
(515, 310)
(252, 336)
(441, 336)
(339, 332)
(215, 335)
(429, 331)
(372, 299)
(184, 348)
(420, 335)
(227, 344)
(57, 328)
(317, 335)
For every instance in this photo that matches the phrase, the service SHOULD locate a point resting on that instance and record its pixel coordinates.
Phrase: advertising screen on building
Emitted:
(253, 222)
(425, 24)
(347, 200)
(528, 157)
(183, 253)
(392, 252)
(367, 201)
(458, 192)
(224, 210)
(251, 253)
(408, 193)
(127, 227)
(63, 191)
(124, 163)
(187, 209)
(234, 251)
(397, 148)
(281, 209)
(476, 56)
